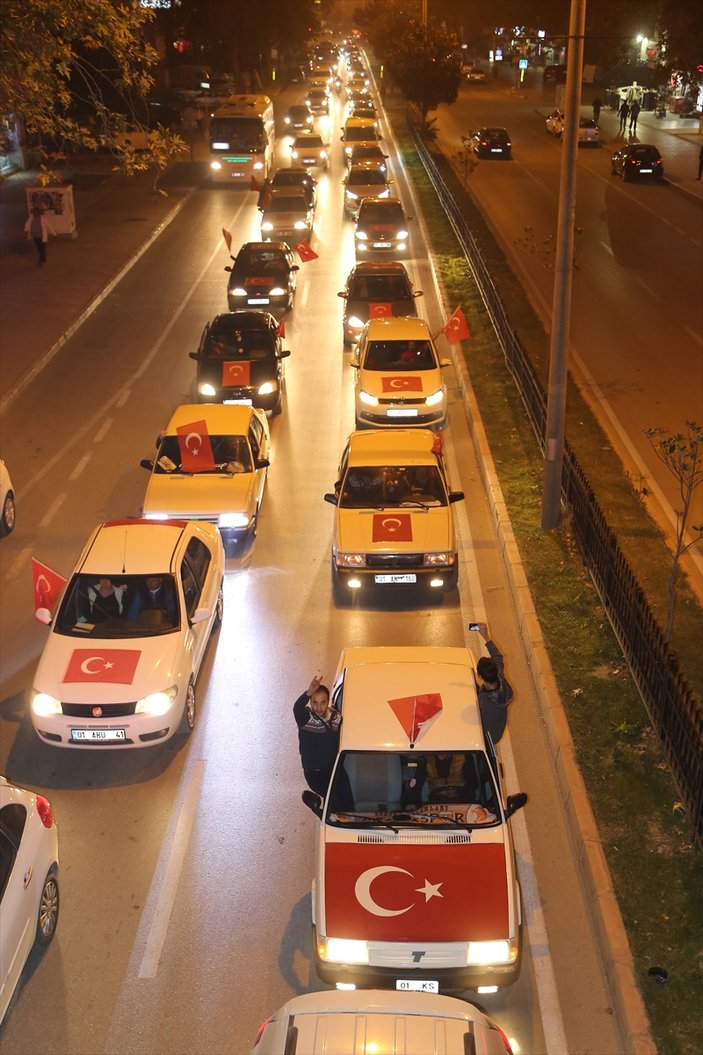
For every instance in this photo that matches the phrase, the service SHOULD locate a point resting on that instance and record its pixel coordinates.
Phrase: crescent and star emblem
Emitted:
(397, 382)
(391, 523)
(235, 369)
(194, 450)
(43, 588)
(362, 890)
(87, 669)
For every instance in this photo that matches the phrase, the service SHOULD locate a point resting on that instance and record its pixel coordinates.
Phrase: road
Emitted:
(637, 318)
(186, 868)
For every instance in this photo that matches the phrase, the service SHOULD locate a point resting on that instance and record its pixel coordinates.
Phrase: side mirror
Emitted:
(200, 615)
(284, 353)
(145, 463)
(343, 294)
(418, 293)
(445, 362)
(295, 267)
(228, 268)
(313, 802)
(455, 496)
(515, 803)
(354, 361)
(43, 615)
(332, 499)
(261, 463)
(193, 355)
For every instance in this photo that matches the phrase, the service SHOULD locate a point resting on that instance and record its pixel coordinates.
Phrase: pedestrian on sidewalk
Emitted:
(495, 693)
(634, 114)
(37, 228)
(700, 163)
(597, 104)
(622, 113)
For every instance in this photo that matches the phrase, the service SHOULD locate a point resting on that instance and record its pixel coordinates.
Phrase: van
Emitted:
(415, 884)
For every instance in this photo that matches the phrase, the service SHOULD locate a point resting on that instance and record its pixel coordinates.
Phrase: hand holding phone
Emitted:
(474, 626)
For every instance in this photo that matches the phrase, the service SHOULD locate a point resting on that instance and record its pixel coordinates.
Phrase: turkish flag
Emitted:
(457, 328)
(411, 893)
(437, 442)
(228, 239)
(256, 280)
(305, 251)
(392, 527)
(281, 329)
(380, 311)
(413, 712)
(234, 374)
(114, 665)
(47, 585)
(196, 449)
(405, 383)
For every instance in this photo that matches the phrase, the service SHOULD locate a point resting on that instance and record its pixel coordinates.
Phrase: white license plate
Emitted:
(237, 402)
(382, 245)
(258, 300)
(401, 413)
(413, 985)
(646, 171)
(98, 735)
(408, 578)
(496, 150)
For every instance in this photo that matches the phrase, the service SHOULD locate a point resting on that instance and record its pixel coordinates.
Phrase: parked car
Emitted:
(492, 143)
(555, 74)
(473, 74)
(637, 161)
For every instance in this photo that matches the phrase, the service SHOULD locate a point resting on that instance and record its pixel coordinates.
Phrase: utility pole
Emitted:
(563, 273)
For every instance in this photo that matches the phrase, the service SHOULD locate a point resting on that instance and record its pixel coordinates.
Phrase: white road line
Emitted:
(171, 863)
(80, 466)
(123, 397)
(52, 510)
(692, 333)
(306, 294)
(651, 292)
(103, 429)
(20, 562)
(607, 248)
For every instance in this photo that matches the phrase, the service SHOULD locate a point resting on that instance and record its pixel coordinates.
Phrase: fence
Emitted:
(671, 704)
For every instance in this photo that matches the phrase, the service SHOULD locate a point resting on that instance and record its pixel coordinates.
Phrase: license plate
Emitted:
(643, 171)
(258, 300)
(98, 735)
(397, 412)
(382, 245)
(412, 985)
(409, 578)
(496, 150)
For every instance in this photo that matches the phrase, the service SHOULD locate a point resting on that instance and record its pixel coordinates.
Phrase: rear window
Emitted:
(360, 135)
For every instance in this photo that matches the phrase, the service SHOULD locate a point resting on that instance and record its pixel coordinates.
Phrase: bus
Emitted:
(242, 134)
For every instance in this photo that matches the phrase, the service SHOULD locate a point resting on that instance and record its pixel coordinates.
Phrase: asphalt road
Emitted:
(186, 868)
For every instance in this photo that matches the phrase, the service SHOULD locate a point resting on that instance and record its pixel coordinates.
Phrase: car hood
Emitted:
(402, 384)
(394, 530)
(256, 282)
(285, 219)
(199, 495)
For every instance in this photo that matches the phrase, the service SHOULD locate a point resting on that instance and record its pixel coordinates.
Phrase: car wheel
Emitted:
(48, 915)
(219, 609)
(278, 405)
(625, 177)
(7, 518)
(612, 169)
(190, 707)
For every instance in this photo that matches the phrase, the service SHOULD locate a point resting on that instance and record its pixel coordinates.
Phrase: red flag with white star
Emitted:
(305, 251)
(236, 374)
(113, 665)
(195, 446)
(47, 584)
(392, 527)
(457, 328)
(404, 383)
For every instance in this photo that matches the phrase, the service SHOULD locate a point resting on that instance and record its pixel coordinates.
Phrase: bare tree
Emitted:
(682, 454)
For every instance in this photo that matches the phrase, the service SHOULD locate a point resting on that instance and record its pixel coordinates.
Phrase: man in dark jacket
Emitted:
(494, 692)
(318, 734)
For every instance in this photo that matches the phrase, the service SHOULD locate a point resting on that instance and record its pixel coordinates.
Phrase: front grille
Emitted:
(395, 402)
(415, 838)
(401, 956)
(110, 710)
(394, 560)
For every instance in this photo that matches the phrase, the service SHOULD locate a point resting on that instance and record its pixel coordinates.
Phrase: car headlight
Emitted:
(350, 560)
(492, 952)
(287, 120)
(323, 153)
(347, 150)
(267, 226)
(362, 235)
(342, 950)
(157, 703)
(277, 291)
(258, 165)
(385, 193)
(367, 399)
(43, 704)
(206, 389)
(294, 153)
(351, 194)
(354, 323)
(267, 388)
(435, 398)
(237, 291)
(156, 516)
(233, 520)
(217, 165)
(401, 234)
(300, 225)
(441, 558)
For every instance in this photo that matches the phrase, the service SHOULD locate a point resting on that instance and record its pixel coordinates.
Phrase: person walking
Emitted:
(37, 228)
(495, 693)
(634, 114)
(623, 113)
(597, 104)
(318, 734)
(700, 163)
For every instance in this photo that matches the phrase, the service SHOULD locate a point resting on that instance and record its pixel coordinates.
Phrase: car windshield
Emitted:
(286, 203)
(292, 178)
(253, 347)
(239, 133)
(309, 143)
(365, 487)
(379, 288)
(360, 135)
(230, 455)
(381, 212)
(413, 789)
(644, 153)
(255, 260)
(366, 178)
(399, 355)
(119, 606)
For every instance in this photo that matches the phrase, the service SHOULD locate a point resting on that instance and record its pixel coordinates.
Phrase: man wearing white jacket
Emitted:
(38, 229)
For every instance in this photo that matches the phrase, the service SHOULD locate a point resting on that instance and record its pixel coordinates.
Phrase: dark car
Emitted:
(381, 227)
(637, 161)
(554, 74)
(263, 275)
(299, 116)
(374, 290)
(369, 153)
(294, 177)
(492, 143)
(239, 360)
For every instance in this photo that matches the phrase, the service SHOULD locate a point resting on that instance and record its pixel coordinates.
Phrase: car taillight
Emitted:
(262, 1027)
(46, 814)
(504, 1038)
(658, 161)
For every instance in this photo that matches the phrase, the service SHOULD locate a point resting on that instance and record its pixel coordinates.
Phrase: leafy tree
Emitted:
(681, 33)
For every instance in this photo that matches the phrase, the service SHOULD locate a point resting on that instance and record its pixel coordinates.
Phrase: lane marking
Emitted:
(18, 563)
(80, 466)
(123, 397)
(171, 863)
(692, 333)
(52, 510)
(648, 289)
(103, 429)
(607, 248)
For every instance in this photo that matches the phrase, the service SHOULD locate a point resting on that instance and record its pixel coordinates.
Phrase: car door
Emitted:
(199, 591)
(18, 883)
(259, 443)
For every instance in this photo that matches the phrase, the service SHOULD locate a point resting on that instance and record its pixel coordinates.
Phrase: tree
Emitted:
(681, 33)
(420, 61)
(683, 457)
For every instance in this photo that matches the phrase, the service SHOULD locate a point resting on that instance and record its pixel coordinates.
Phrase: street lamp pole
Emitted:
(563, 273)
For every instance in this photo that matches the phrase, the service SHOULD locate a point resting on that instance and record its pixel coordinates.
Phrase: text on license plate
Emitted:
(496, 150)
(382, 245)
(257, 300)
(98, 735)
(396, 577)
(399, 412)
(416, 985)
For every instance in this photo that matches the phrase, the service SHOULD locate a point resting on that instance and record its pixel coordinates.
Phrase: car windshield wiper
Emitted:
(361, 819)
(414, 504)
(426, 819)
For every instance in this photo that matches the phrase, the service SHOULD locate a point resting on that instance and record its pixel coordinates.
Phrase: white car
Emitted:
(309, 150)
(363, 181)
(287, 217)
(7, 501)
(369, 1022)
(399, 375)
(126, 645)
(29, 885)
(555, 122)
(227, 489)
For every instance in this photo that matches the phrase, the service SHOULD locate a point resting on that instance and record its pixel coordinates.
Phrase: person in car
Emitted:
(153, 594)
(103, 602)
(318, 734)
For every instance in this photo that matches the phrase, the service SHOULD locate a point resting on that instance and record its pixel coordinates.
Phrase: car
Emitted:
(358, 130)
(492, 143)
(29, 881)
(7, 501)
(375, 289)
(474, 74)
(381, 227)
(415, 883)
(287, 216)
(234, 446)
(637, 161)
(240, 360)
(369, 153)
(318, 100)
(555, 73)
(364, 113)
(299, 116)
(296, 177)
(398, 375)
(357, 100)
(363, 181)
(393, 526)
(124, 675)
(309, 150)
(555, 122)
(588, 133)
(369, 1022)
(263, 275)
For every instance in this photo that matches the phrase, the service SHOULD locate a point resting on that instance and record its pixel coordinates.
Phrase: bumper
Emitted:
(433, 419)
(277, 307)
(434, 580)
(140, 730)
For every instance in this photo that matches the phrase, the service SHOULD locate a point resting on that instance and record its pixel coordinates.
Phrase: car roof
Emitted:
(376, 675)
(221, 419)
(401, 446)
(398, 328)
(132, 547)
(379, 267)
(389, 203)
(245, 320)
(302, 136)
(266, 247)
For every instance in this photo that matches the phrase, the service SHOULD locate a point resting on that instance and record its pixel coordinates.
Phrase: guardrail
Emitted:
(673, 708)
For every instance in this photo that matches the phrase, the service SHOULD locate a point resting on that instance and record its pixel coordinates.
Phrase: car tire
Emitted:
(625, 177)
(190, 708)
(7, 517)
(48, 915)
(278, 405)
(219, 609)
(612, 169)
